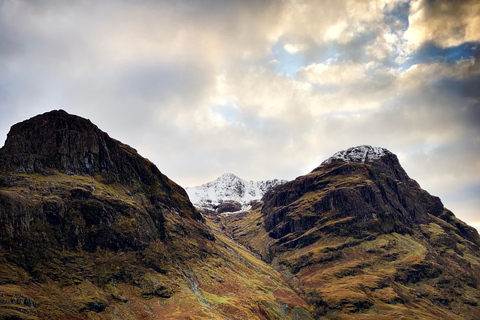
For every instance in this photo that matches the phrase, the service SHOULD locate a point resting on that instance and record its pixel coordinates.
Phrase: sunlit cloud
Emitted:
(336, 74)
(445, 23)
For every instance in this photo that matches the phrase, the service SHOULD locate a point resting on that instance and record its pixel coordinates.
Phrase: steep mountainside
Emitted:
(359, 239)
(91, 230)
(229, 193)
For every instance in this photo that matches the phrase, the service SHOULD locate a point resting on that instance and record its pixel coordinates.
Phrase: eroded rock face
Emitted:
(57, 142)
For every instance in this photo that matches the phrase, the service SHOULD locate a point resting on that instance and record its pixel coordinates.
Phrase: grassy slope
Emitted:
(391, 276)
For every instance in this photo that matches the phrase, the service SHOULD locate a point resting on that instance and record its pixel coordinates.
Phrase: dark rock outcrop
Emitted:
(371, 197)
(228, 206)
(57, 142)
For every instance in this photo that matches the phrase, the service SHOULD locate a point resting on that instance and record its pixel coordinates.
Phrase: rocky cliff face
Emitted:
(359, 238)
(90, 229)
(73, 180)
(229, 194)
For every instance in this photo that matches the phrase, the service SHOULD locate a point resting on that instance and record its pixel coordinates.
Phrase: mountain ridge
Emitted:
(90, 229)
(229, 193)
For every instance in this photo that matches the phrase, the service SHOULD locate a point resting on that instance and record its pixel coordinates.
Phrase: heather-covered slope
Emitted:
(89, 229)
(358, 238)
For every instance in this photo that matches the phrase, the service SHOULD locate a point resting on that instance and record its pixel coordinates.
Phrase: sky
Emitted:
(262, 89)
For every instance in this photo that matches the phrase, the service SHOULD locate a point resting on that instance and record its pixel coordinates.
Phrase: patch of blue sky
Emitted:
(228, 111)
(287, 63)
(431, 53)
(231, 113)
(397, 18)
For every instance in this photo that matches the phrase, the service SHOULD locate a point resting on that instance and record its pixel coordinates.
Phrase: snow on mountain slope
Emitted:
(359, 154)
(229, 193)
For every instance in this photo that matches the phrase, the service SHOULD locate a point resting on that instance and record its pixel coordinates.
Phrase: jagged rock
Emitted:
(96, 306)
(229, 206)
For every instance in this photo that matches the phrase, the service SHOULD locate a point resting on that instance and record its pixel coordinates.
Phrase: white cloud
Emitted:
(334, 74)
(293, 48)
(384, 46)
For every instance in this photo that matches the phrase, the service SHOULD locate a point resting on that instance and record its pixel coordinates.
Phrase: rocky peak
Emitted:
(358, 217)
(363, 184)
(228, 176)
(229, 193)
(54, 132)
(380, 161)
(58, 142)
(61, 142)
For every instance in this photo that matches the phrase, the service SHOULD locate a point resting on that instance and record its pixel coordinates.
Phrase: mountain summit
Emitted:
(359, 154)
(229, 193)
(80, 179)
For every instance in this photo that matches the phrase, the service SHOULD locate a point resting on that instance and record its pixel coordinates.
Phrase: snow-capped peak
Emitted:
(359, 154)
(229, 188)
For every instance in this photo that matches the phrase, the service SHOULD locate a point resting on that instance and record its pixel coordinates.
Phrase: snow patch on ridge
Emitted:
(359, 154)
(229, 187)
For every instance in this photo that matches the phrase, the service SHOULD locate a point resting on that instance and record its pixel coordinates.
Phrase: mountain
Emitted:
(229, 193)
(358, 238)
(89, 229)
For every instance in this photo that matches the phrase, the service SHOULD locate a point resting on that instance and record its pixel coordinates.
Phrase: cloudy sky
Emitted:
(262, 89)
